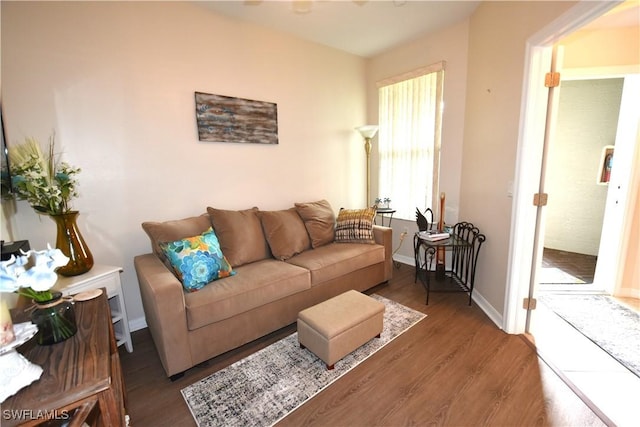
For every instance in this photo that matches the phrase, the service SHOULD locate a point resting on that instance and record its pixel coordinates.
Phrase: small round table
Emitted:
(385, 211)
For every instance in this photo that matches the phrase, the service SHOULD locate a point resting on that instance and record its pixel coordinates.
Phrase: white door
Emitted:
(616, 212)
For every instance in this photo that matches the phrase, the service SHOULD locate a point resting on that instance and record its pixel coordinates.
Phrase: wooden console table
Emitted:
(81, 380)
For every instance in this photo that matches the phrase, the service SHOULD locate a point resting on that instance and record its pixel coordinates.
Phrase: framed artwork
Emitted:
(227, 119)
(606, 164)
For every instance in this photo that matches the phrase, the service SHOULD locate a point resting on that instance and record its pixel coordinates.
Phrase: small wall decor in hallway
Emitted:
(228, 119)
(606, 164)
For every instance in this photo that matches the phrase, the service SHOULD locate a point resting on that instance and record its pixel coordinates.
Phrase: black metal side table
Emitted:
(385, 212)
(464, 245)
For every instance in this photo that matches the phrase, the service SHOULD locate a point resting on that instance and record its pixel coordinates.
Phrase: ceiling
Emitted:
(361, 27)
(369, 27)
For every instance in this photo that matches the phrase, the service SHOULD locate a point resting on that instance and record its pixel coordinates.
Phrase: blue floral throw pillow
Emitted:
(197, 260)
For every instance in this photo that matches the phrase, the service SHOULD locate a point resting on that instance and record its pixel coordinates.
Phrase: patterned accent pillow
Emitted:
(197, 260)
(355, 226)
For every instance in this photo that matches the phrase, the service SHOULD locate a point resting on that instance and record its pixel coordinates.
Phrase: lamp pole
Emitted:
(368, 132)
(367, 149)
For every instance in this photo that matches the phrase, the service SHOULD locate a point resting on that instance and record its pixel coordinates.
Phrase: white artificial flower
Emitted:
(40, 278)
(57, 258)
(8, 276)
(33, 269)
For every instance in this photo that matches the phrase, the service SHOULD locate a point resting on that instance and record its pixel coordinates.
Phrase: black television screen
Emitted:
(4, 160)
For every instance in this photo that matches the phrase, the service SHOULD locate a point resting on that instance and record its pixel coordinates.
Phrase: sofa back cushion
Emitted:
(285, 233)
(319, 221)
(240, 234)
(170, 231)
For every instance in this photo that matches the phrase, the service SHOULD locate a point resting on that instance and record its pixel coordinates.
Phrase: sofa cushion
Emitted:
(337, 259)
(285, 232)
(256, 284)
(169, 231)
(319, 221)
(355, 226)
(240, 234)
(197, 260)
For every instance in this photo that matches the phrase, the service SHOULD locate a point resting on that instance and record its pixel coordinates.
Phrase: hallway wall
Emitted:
(587, 120)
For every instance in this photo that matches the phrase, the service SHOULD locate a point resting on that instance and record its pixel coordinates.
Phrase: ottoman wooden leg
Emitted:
(330, 367)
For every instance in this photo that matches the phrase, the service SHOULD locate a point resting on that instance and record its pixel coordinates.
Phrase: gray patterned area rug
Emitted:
(609, 324)
(263, 388)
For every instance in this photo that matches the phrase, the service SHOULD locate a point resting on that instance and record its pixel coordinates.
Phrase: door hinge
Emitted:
(552, 79)
(540, 199)
(529, 303)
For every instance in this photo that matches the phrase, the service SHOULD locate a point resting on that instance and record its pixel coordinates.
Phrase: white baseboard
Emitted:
(484, 305)
(137, 324)
(488, 309)
(628, 293)
(404, 260)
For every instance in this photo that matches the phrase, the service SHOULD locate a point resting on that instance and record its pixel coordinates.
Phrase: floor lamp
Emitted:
(368, 132)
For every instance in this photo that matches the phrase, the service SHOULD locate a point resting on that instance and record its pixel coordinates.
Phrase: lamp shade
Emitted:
(368, 131)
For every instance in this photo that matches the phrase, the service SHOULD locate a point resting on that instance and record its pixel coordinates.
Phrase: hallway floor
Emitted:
(607, 386)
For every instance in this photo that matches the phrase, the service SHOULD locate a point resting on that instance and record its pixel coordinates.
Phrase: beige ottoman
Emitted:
(337, 326)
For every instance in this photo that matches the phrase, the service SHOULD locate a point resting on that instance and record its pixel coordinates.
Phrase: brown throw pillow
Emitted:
(169, 231)
(319, 221)
(240, 235)
(355, 226)
(285, 232)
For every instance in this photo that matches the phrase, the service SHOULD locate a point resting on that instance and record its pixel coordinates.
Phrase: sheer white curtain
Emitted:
(409, 122)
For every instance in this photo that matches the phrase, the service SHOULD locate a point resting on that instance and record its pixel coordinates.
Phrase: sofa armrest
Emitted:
(164, 309)
(384, 236)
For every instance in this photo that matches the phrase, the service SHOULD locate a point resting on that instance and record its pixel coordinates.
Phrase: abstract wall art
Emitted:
(228, 119)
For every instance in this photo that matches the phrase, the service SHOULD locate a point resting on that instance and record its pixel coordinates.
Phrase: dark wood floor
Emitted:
(453, 368)
(578, 265)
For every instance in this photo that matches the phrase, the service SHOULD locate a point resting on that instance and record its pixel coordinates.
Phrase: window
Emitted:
(410, 117)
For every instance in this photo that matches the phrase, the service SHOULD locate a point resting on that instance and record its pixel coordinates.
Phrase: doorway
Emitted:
(577, 177)
(614, 389)
(576, 328)
(524, 225)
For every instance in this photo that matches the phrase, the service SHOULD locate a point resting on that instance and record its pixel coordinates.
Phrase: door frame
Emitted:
(520, 271)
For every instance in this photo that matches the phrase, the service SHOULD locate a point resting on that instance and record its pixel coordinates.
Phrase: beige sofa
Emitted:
(283, 262)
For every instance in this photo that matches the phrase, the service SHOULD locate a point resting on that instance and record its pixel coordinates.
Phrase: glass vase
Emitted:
(71, 243)
(55, 319)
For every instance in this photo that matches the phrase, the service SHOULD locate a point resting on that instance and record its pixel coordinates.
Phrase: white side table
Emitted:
(108, 277)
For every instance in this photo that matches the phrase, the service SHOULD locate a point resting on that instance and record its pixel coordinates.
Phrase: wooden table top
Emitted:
(72, 370)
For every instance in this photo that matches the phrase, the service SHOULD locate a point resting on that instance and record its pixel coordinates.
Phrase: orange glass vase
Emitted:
(72, 244)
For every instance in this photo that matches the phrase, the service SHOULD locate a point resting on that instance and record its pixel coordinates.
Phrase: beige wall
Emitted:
(116, 81)
(603, 47)
(497, 45)
(449, 45)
